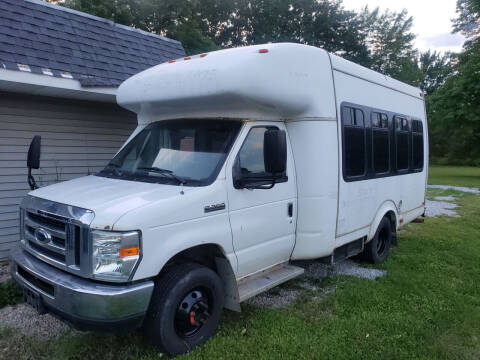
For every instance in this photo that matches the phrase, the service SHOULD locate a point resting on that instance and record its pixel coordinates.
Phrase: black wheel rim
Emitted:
(382, 241)
(193, 312)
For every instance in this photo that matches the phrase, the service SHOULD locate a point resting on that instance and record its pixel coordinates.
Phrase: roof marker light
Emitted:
(171, 61)
(187, 58)
(203, 55)
(263, 51)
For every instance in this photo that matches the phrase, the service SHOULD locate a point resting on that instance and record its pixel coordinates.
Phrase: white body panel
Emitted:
(361, 202)
(263, 232)
(294, 87)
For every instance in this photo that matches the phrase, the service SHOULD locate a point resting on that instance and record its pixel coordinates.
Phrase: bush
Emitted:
(10, 293)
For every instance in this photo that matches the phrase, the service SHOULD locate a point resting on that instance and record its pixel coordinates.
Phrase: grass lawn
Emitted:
(454, 175)
(427, 306)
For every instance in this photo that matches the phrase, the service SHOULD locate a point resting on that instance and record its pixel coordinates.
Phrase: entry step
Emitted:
(265, 280)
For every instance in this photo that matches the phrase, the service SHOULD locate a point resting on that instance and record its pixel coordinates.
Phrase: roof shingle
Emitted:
(95, 51)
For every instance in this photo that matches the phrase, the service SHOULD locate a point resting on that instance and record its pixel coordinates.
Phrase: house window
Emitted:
(354, 149)
(402, 131)
(417, 145)
(380, 143)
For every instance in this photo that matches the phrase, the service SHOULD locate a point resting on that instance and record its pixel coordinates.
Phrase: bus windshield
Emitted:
(181, 152)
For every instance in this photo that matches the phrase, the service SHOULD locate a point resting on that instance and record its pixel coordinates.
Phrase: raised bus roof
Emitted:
(282, 81)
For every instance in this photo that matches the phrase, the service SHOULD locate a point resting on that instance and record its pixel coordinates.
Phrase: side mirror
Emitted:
(33, 160)
(275, 151)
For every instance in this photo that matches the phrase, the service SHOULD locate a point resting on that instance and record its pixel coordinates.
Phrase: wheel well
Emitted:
(393, 220)
(202, 254)
(213, 257)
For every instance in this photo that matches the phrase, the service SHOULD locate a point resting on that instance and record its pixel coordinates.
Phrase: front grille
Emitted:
(57, 234)
(63, 243)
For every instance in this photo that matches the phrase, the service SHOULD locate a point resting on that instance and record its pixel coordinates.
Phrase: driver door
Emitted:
(262, 220)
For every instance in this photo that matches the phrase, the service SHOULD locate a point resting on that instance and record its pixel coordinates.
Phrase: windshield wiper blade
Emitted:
(115, 168)
(167, 172)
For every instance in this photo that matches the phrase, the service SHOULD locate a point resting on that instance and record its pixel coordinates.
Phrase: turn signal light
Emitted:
(132, 251)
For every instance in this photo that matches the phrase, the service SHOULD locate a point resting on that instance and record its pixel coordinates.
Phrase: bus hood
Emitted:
(110, 199)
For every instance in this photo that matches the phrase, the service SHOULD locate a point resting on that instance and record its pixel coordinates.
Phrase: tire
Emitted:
(377, 250)
(185, 308)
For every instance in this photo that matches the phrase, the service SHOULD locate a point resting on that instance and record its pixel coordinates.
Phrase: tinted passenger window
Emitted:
(401, 143)
(417, 145)
(353, 141)
(251, 153)
(380, 143)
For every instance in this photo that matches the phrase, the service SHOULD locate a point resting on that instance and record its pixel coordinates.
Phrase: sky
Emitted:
(431, 20)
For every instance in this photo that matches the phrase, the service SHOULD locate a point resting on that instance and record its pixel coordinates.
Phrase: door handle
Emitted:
(290, 209)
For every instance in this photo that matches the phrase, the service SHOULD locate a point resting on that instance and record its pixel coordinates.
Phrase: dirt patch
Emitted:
(276, 298)
(27, 321)
(436, 208)
(457, 188)
(349, 267)
(445, 198)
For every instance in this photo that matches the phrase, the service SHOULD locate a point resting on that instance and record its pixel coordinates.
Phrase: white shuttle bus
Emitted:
(244, 161)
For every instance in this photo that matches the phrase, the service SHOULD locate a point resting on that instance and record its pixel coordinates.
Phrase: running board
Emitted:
(267, 279)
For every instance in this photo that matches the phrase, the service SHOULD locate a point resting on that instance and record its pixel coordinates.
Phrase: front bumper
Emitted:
(85, 304)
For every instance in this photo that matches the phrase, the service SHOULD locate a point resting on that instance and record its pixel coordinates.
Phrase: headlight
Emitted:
(115, 254)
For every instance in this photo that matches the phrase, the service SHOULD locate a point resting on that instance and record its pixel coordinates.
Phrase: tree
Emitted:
(118, 11)
(391, 44)
(454, 109)
(468, 20)
(435, 67)
(318, 23)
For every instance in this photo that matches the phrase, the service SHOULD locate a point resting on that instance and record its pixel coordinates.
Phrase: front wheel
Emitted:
(377, 250)
(185, 308)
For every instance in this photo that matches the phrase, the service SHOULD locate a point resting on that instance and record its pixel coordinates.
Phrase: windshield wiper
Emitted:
(167, 172)
(115, 168)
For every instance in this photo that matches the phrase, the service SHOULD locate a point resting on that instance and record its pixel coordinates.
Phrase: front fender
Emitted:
(160, 244)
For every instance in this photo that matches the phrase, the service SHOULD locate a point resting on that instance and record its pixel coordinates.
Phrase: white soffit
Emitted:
(36, 84)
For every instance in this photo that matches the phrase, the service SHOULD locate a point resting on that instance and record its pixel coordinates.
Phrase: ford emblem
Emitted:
(42, 236)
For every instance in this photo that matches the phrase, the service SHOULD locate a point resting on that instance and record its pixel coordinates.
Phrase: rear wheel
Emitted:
(377, 250)
(185, 309)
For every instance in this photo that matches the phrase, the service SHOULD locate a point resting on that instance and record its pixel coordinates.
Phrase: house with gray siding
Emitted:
(59, 72)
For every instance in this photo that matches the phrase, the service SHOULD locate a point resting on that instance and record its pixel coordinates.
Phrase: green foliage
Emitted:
(391, 42)
(118, 11)
(468, 20)
(454, 112)
(10, 293)
(435, 67)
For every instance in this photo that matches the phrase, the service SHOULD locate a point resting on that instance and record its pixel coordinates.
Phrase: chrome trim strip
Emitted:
(69, 213)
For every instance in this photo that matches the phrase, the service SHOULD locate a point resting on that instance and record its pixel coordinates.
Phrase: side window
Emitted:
(417, 145)
(250, 156)
(380, 143)
(354, 148)
(401, 142)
